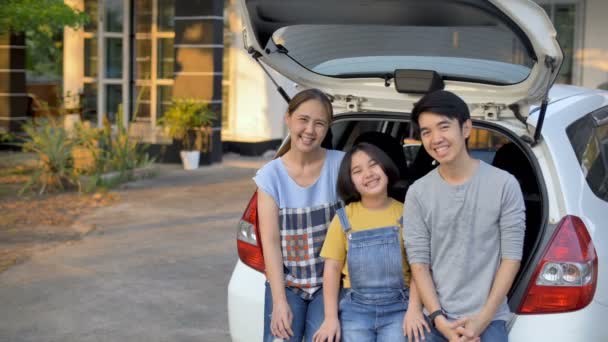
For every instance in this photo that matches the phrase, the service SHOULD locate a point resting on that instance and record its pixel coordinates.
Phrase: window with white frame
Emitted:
(114, 72)
(153, 59)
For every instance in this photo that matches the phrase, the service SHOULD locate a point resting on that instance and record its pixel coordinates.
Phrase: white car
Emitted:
(376, 58)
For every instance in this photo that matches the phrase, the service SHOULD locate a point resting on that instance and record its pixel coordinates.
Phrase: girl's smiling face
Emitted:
(368, 176)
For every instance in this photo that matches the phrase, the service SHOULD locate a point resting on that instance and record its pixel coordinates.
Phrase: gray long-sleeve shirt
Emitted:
(463, 231)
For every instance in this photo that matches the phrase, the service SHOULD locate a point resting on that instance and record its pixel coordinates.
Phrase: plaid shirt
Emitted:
(303, 232)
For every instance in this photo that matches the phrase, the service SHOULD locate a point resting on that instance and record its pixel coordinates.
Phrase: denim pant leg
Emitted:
(315, 314)
(298, 309)
(495, 332)
(357, 321)
(391, 322)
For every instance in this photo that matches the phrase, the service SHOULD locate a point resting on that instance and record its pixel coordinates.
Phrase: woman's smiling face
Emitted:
(307, 125)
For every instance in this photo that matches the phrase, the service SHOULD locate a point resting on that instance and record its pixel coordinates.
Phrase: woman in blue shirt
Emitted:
(296, 201)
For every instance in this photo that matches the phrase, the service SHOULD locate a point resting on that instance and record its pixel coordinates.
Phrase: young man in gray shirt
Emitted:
(463, 229)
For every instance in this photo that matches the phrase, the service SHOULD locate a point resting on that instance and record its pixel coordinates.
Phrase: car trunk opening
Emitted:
(490, 143)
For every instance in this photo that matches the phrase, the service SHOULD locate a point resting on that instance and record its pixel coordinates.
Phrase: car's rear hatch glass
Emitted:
(461, 40)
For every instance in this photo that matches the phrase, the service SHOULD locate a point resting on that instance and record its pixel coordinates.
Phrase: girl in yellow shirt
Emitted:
(364, 249)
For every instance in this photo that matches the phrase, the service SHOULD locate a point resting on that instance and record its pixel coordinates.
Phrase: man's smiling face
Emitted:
(443, 137)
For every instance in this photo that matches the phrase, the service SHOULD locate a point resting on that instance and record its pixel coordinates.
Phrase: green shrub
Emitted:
(50, 141)
(188, 120)
(119, 151)
(65, 157)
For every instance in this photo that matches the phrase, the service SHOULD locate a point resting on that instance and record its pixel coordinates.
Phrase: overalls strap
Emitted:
(343, 220)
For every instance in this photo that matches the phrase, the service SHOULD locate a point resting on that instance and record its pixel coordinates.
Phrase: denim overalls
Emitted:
(374, 306)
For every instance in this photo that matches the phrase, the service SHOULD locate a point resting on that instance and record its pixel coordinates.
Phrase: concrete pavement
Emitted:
(155, 269)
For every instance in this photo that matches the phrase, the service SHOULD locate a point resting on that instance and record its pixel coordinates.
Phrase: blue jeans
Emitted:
(308, 315)
(363, 321)
(495, 332)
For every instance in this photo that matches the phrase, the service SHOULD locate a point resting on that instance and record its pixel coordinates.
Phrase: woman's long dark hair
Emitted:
(345, 187)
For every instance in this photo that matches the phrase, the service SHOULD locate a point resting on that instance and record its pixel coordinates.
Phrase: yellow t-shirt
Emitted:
(360, 218)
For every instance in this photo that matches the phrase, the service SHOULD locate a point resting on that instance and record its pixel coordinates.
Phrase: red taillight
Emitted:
(247, 237)
(566, 277)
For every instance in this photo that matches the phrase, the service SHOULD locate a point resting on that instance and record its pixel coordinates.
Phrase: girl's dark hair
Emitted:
(311, 94)
(345, 187)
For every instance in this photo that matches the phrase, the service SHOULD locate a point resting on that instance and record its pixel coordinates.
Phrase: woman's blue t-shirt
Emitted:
(304, 215)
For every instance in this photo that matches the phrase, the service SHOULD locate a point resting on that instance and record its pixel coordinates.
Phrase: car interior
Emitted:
(485, 144)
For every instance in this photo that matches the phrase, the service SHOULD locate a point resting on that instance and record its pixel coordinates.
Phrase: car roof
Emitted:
(567, 104)
(560, 92)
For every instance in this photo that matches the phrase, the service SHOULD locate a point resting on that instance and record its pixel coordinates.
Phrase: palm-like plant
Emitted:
(51, 142)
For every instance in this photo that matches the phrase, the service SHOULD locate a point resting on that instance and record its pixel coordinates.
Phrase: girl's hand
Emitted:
(414, 325)
(280, 323)
(329, 331)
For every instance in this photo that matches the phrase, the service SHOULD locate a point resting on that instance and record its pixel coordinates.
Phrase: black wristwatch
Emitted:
(434, 315)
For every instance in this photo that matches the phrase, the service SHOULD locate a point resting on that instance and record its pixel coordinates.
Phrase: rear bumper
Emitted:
(246, 304)
(588, 324)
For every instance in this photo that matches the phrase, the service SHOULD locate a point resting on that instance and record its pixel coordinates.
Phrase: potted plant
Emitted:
(189, 120)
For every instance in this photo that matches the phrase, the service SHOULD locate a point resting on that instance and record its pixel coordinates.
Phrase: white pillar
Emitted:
(73, 59)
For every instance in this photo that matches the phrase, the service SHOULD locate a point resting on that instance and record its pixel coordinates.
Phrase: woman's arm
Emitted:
(330, 329)
(268, 218)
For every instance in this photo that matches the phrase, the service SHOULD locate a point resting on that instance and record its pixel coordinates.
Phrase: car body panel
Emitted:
(578, 198)
(246, 304)
(582, 325)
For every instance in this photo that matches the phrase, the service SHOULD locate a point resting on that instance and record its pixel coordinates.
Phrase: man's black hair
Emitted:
(442, 102)
(345, 187)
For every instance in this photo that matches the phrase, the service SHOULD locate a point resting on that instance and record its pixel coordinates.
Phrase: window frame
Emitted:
(587, 129)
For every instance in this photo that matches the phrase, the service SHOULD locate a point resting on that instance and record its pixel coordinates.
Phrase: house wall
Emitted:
(594, 54)
(197, 66)
(199, 32)
(256, 109)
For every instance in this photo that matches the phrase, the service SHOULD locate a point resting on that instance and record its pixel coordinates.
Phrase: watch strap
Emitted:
(434, 315)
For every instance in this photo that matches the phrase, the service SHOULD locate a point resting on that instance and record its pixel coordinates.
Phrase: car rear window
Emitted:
(468, 40)
(589, 138)
(488, 54)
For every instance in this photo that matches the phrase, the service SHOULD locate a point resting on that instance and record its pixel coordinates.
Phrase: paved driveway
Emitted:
(155, 268)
